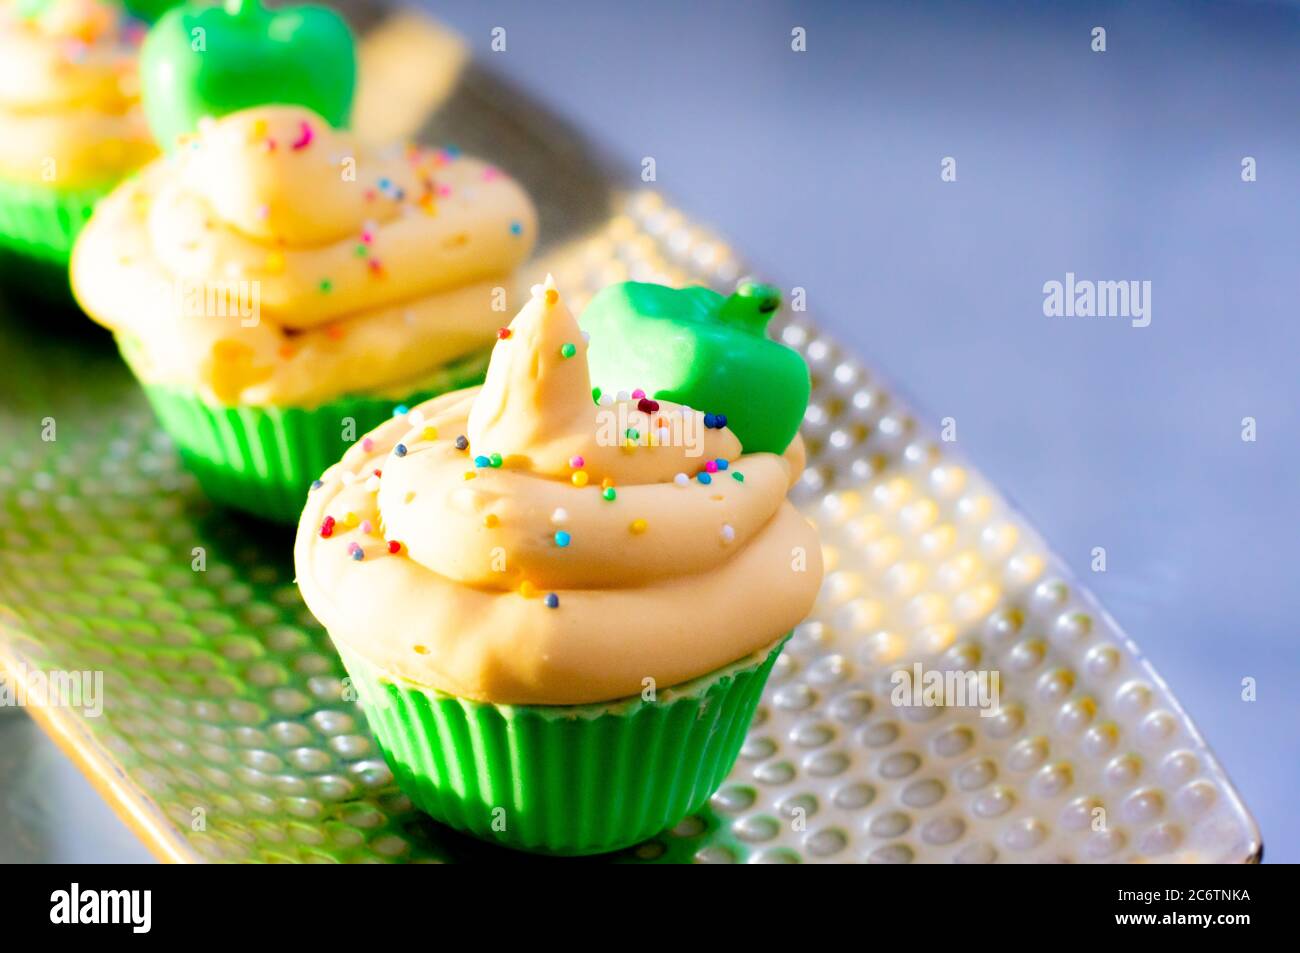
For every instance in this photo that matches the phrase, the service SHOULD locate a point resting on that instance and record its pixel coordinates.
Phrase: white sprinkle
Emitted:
(682, 480)
(415, 418)
(372, 485)
(606, 399)
(561, 515)
(586, 336)
(624, 395)
(728, 533)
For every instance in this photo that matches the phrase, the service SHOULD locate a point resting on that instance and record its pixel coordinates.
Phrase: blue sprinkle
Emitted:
(358, 554)
(704, 477)
(722, 464)
(400, 450)
(401, 410)
(316, 484)
(482, 461)
(562, 538)
(516, 228)
(720, 420)
(451, 151)
(552, 601)
(385, 183)
(710, 421)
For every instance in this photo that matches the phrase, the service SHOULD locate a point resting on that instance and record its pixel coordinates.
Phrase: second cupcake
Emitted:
(278, 287)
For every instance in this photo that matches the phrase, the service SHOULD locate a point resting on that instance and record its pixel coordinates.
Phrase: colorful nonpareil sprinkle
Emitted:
(738, 476)
(503, 333)
(704, 477)
(560, 515)
(400, 450)
(430, 433)
(577, 463)
(367, 444)
(394, 547)
(401, 410)
(682, 479)
(495, 460)
(516, 228)
(305, 136)
(728, 533)
(647, 406)
(722, 464)
(327, 527)
(567, 350)
(638, 526)
(462, 442)
(527, 589)
(482, 461)
(552, 601)
(562, 538)
(316, 484)
(609, 493)
(711, 466)
(579, 478)
(491, 521)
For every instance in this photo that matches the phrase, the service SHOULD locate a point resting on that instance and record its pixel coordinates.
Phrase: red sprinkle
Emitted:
(327, 527)
(647, 406)
(379, 473)
(503, 333)
(394, 546)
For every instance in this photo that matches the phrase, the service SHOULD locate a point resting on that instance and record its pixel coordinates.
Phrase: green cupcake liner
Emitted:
(38, 226)
(580, 779)
(262, 459)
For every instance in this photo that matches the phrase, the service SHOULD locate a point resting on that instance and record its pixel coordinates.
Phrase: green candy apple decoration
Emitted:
(695, 347)
(203, 60)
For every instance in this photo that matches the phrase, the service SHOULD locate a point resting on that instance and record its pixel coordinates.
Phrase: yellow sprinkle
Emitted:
(638, 526)
(430, 433)
(259, 129)
(606, 483)
(410, 495)
(470, 474)
(351, 520)
(579, 478)
(491, 521)
(274, 264)
(527, 589)
(552, 296)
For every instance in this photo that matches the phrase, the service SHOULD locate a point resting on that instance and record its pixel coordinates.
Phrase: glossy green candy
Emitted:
(202, 60)
(695, 347)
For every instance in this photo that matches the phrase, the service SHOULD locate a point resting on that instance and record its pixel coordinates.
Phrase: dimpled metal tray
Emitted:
(227, 734)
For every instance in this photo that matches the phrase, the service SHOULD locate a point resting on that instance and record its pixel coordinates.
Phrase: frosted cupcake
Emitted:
(71, 125)
(279, 288)
(559, 611)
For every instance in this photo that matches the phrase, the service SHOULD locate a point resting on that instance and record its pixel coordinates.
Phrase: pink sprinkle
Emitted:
(366, 527)
(444, 190)
(638, 394)
(353, 547)
(577, 462)
(304, 137)
(264, 211)
(367, 237)
(711, 466)
(367, 444)
(490, 173)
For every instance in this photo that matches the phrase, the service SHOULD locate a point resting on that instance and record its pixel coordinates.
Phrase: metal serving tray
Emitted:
(225, 733)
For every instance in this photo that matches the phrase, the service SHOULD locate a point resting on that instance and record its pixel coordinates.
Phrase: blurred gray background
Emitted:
(823, 168)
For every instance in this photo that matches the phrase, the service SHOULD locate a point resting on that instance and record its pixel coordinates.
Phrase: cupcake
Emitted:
(71, 126)
(558, 607)
(279, 287)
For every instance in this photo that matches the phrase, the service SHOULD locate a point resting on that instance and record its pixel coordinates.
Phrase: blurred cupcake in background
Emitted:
(277, 285)
(71, 126)
(559, 607)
